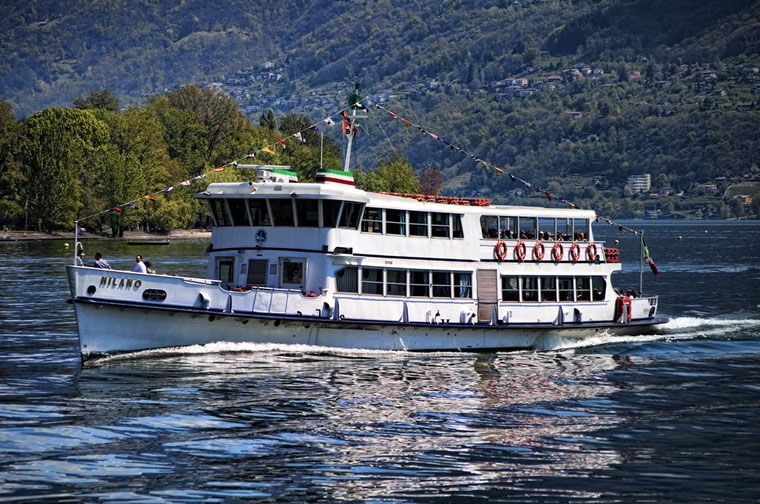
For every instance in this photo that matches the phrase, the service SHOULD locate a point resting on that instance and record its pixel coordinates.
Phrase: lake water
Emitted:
(668, 417)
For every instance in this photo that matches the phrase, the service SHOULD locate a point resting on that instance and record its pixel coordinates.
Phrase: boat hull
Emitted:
(107, 327)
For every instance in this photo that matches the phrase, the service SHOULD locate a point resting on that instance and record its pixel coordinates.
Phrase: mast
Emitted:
(641, 263)
(349, 123)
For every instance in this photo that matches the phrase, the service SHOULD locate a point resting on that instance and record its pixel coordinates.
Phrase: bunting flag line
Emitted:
(268, 151)
(512, 177)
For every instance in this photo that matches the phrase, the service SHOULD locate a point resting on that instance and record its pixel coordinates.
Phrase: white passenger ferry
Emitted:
(330, 265)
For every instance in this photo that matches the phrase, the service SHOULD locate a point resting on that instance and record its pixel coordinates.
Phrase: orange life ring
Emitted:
(591, 254)
(520, 250)
(500, 250)
(558, 252)
(575, 252)
(538, 251)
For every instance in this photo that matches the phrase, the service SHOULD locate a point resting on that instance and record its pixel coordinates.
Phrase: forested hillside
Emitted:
(574, 95)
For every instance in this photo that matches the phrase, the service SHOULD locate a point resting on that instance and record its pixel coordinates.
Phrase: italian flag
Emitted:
(335, 177)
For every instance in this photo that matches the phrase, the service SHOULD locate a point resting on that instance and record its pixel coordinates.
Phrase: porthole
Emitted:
(154, 295)
(91, 290)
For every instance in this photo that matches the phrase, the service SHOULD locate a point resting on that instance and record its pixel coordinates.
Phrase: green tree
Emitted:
(100, 100)
(11, 176)
(55, 145)
(391, 175)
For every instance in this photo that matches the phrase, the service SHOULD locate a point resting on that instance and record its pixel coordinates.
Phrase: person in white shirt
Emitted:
(140, 265)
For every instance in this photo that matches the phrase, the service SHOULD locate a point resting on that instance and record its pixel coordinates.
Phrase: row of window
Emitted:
(534, 228)
(286, 212)
(536, 289)
(393, 221)
(404, 283)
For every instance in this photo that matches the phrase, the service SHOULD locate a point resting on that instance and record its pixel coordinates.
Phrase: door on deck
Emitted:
(292, 273)
(488, 294)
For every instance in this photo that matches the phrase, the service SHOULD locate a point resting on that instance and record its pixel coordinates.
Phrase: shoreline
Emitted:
(179, 234)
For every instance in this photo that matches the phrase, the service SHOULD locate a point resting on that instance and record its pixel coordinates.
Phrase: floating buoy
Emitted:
(680, 237)
(65, 245)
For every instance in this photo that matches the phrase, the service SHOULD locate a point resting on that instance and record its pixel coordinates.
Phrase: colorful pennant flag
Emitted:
(648, 259)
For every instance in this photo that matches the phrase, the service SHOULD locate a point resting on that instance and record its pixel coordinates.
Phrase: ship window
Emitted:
(546, 228)
(154, 295)
(307, 212)
(456, 222)
(582, 289)
(349, 217)
(330, 211)
(372, 281)
(259, 214)
(440, 224)
(598, 288)
(372, 221)
(238, 211)
(564, 229)
(395, 222)
(489, 226)
(346, 279)
(418, 223)
(528, 228)
(530, 289)
(395, 282)
(219, 210)
(282, 212)
(548, 288)
(565, 288)
(257, 272)
(224, 267)
(510, 288)
(508, 227)
(580, 229)
(441, 284)
(418, 284)
(462, 285)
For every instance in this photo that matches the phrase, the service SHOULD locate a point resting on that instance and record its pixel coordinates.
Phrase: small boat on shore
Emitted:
(330, 265)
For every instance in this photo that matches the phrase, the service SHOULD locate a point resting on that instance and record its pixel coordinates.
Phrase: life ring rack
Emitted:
(500, 250)
(558, 252)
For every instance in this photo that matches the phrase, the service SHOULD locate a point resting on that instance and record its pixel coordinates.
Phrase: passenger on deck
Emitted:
(100, 262)
(139, 265)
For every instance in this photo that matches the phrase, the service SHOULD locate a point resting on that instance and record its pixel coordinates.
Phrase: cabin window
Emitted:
(259, 213)
(372, 222)
(582, 289)
(462, 285)
(528, 228)
(441, 284)
(418, 223)
(440, 225)
(548, 288)
(598, 288)
(347, 279)
(546, 228)
(489, 226)
(330, 212)
(510, 288)
(372, 281)
(219, 210)
(282, 212)
(564, 229)
(307, 211)
(257, 272)
(456, 226)
(530, 289)
(418, 284)
(580, 230)
(395, 282)
(292, 271)
(565, 285)
(395, 222)
(349, 217)
(508, 227)
(224, 268)
(238, 212)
